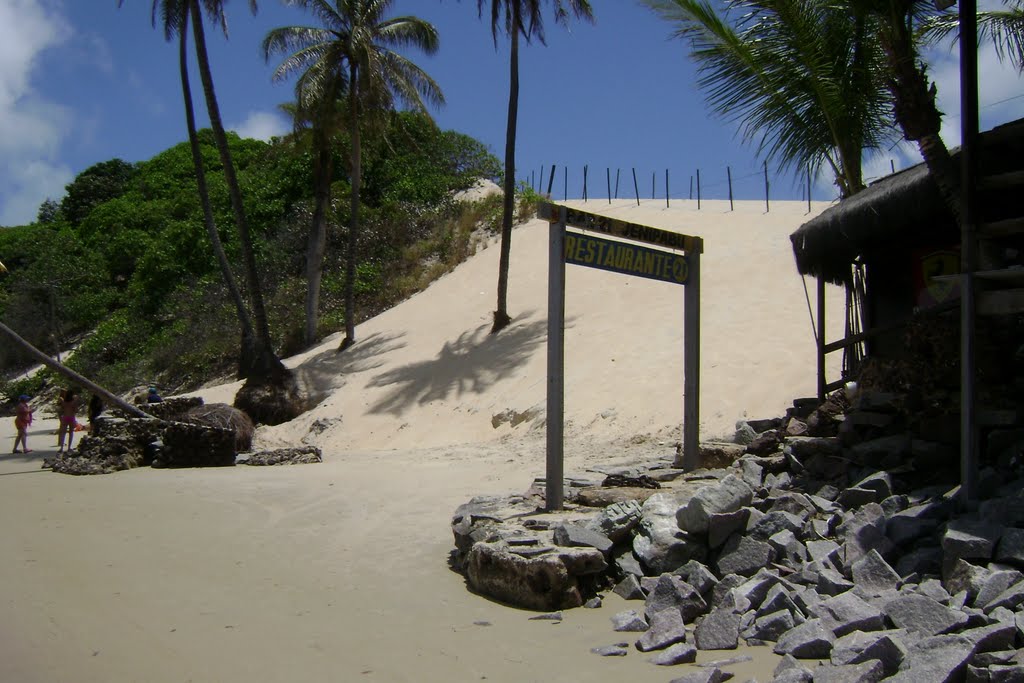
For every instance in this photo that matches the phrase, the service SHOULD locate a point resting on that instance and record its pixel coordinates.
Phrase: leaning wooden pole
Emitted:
(64, 370)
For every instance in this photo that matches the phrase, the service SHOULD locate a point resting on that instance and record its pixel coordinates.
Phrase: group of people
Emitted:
(67, 411)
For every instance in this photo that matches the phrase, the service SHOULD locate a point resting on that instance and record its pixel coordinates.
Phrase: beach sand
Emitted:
(339, 571)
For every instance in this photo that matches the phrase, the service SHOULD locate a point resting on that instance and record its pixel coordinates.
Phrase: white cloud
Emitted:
(261, 125)
(31, 127)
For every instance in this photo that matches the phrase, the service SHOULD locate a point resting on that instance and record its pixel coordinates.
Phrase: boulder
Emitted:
(544, 582)
(719, 630)
(666, 629)
(728, 495)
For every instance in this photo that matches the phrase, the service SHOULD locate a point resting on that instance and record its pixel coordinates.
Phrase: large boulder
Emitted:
(728, 495)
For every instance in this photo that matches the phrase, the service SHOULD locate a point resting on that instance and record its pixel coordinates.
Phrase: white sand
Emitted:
(339, 571)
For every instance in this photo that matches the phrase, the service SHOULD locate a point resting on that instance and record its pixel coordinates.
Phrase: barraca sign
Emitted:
(628, 259)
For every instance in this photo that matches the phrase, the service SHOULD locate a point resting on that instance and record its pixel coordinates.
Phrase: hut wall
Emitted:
(890, 299)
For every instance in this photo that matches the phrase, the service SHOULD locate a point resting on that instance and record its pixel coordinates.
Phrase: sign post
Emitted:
(666, 264)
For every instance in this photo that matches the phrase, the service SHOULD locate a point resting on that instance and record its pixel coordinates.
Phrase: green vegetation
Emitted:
(134, 281)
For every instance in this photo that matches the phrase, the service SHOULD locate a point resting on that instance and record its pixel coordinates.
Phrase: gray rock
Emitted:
(658, 542)
(728, 495)
(1000, 636)
(964, 576)
(705, 676)
(593, 603)
(970, 539)
(940, 659)
(847, 612)
(617, 520)
(627, 563)
(719, 630)
(873, 574)
(629, 589)
(870, 671)
(630, 621)
(575, 535)
(680, 653)
(1011, 598)
(752, 473)
(831, 582)
(876, 451)
(610, 650)
(824, 552)
(744, 556)
(879, 482)
(923, 560)
(725, 586)
(863, 531)
(933, 589)
(809, 640)
(894, 504)
(544, 582)
(855, 497)
(698, 576)
(1006, 673)
(883, 646)
(666, 629)
(772, 626)
(994, 584)
(756, 588)
(923, 616)
(778, 598)
(1011, 547)
(722, 525)
(794, 502)
(774, 522)
(672, 593)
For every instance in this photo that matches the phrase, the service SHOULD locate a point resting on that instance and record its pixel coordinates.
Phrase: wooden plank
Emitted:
(1001, 181)
(1003, 228)
(1001, 302)
(691, 368)
(626, 258)
(619, 228)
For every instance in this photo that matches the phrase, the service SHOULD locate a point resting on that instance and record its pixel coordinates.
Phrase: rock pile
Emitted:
(841, 544)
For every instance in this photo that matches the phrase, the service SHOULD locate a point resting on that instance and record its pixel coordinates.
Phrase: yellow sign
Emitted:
(622, 257)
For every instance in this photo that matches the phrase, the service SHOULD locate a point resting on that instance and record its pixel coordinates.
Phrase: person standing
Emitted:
(68, 412)
(95, 408)
(22, 421)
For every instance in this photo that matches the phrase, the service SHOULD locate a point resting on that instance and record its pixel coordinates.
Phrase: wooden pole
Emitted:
(584, 182)
(698, 189)
(969, 436)
(553, 486)
(691, 364)
(728, 175)
(617, 171)
(636, 188)
(821, 339)
(808, 188)
(608, 175)
(565, 184)
(551, 180)
(892, 165)
(767, 208)
(654, 180)
(691, 187)
(666, 188)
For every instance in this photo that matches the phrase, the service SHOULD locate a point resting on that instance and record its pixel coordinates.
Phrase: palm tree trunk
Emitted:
(248, 351)
(317, 235)
(915, 109)
(67, 372)
(501, 316)
(353, 227)
(267, 363)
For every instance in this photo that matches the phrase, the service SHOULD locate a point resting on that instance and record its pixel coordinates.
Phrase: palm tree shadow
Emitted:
(325, 372)
(471, 363)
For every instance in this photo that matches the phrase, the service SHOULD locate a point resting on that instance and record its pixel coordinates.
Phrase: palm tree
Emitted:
(270, 394)
(319, 108)
(518, 17)
(1003, 27)
(800, 76)
(174, 17)
(355, 45)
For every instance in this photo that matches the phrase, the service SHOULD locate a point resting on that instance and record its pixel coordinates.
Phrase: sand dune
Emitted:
(338, 571)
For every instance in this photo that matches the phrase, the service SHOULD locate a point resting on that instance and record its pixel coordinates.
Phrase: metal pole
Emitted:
(654, 180)
(608, 175)
(666, 188)
(969, 439)
(808, 188)
(584, 182)
(691, 187)
(553, 485)
(551, 180)
(565, 184)
(821, 338)
(766, 207)
(728, 175)
(636, 188)
(617, 172)
(892, 165)
(540, 178)
(691, 363)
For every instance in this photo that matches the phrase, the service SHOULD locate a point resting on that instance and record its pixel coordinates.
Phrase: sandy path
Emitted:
(327, 572)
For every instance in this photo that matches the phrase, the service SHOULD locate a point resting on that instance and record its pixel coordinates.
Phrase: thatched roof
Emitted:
(902, 210)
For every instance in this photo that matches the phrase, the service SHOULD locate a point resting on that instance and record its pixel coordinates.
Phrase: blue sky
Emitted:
(83, 81)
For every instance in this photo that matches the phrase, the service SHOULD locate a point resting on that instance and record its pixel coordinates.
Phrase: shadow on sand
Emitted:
(325, 372)
(469, 364)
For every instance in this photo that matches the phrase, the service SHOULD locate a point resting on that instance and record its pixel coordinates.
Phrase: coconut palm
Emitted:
(355, 46)
(515, 18)
(174, 18)
(1003, 27)
(319, 109)
(801, 77)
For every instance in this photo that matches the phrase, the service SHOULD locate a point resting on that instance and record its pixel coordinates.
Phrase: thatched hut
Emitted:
(896, 247)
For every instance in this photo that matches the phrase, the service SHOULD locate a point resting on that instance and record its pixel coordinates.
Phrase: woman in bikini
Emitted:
(68, 409)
